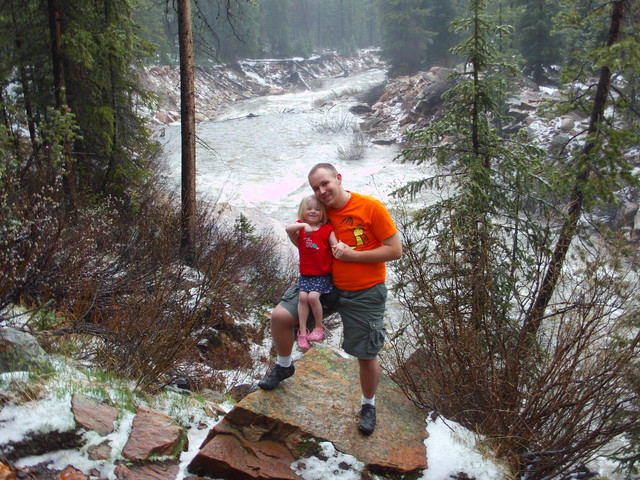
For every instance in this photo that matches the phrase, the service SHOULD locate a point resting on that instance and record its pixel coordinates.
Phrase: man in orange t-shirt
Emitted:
(367, 239)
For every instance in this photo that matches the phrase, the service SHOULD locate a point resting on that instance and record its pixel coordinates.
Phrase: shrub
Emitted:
(112, 273)
(356, 148)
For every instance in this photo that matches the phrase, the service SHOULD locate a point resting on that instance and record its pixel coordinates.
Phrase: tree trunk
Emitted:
(187, 113)
(113, 103)
(57, 58)
(536, 313)
(26, 91)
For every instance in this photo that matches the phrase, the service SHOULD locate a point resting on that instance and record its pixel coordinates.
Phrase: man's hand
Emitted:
(391, 249)
(339, 250)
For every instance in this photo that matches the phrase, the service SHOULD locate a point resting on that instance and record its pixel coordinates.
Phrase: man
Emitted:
(367, 239)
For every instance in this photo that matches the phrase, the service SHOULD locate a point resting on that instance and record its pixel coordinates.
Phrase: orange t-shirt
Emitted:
(363, 223)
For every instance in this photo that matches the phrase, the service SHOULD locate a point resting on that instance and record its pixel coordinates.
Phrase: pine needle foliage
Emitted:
(541, 369)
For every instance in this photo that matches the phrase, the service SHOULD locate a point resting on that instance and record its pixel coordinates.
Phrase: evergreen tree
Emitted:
(539, 44)
(504, 336)
(242, 40)
(224, 32)
(405, 36)
(441, 14)
(91, 75)
(276, 27)
(25, 63)
(102, 49)
(158, 26)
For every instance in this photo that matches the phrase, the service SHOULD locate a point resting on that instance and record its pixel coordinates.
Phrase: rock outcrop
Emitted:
(267, 431)
(260, 438)
(219, 86)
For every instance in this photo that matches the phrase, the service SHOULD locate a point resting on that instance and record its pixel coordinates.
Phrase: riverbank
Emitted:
(219, 86)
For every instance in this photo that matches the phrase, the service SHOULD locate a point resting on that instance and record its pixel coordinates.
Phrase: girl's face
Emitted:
(312, 212)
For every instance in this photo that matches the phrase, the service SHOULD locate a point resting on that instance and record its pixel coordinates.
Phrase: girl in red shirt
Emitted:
(314, 238)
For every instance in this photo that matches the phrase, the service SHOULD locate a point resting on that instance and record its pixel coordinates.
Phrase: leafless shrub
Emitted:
(113, 276)
(342, 123)
(32, 221)
(356, 148)
(575, 392)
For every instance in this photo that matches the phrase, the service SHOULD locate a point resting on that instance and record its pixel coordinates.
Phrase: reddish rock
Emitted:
(71, 473)
(92, 415)
(230, 456)
(162, 471)
(263, 434)
(100, 452)
(152, 433)
(6, 473)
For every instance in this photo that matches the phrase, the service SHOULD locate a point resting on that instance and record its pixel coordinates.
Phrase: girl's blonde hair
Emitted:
(303, 208)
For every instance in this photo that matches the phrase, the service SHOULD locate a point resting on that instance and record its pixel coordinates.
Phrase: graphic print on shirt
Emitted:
(308, 243)
(358, 233)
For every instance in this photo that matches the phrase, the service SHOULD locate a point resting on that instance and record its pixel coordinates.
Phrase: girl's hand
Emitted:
(339, 249)
(307, 228)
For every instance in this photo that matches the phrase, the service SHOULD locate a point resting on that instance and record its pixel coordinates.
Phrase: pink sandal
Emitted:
(317, 335)
(303, 342)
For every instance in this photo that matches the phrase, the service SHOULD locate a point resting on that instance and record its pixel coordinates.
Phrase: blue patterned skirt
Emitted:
(315, 283)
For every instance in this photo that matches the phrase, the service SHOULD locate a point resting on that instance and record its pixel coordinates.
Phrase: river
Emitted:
(257, 155)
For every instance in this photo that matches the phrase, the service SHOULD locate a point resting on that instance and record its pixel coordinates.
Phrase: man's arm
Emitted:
(391, 249)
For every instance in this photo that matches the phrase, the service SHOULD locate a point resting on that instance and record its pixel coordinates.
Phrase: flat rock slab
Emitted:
(92, 415)
(152, 433)
(322, 400)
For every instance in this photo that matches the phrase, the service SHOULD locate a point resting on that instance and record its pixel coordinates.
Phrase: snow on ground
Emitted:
(450, 447)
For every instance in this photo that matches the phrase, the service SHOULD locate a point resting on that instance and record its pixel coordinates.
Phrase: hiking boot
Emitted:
(367, 419)
(276, 375)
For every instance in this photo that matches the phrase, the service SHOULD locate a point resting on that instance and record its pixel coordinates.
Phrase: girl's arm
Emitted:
(391, 249)
(293, 230)
(333, 241)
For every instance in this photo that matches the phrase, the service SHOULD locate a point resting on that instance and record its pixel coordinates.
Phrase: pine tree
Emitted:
(538, 43)
(441, 14)
(504, 336)
(276, 27)
(405, 38)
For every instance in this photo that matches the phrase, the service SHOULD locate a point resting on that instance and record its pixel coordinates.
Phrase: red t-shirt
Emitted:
(315, 252)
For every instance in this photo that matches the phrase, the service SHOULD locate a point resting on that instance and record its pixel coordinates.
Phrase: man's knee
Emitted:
(280, 316)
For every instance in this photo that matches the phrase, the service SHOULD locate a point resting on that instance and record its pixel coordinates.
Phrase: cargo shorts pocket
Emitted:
(377, 335)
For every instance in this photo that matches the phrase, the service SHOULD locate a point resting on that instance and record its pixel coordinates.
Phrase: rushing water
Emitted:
(257, 155)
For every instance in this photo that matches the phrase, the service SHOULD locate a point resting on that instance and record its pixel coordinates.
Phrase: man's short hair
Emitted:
(327, 166)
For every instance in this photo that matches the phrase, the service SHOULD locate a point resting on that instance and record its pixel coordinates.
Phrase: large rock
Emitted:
(430, 100)
(267, 431)
(20, 351)
(152, 433)
(92, 415)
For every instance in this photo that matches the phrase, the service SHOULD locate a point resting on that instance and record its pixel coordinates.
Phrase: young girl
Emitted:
(314, 238)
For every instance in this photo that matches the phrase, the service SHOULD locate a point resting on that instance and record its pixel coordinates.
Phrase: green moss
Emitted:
(307, 447)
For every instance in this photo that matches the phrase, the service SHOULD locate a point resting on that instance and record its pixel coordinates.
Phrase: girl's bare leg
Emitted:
(303, 312)
(316, 308)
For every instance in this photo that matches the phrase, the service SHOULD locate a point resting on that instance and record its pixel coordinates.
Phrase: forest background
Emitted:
(522, 306)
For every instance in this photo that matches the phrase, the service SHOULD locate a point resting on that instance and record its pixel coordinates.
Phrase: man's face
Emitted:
(327, 188)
